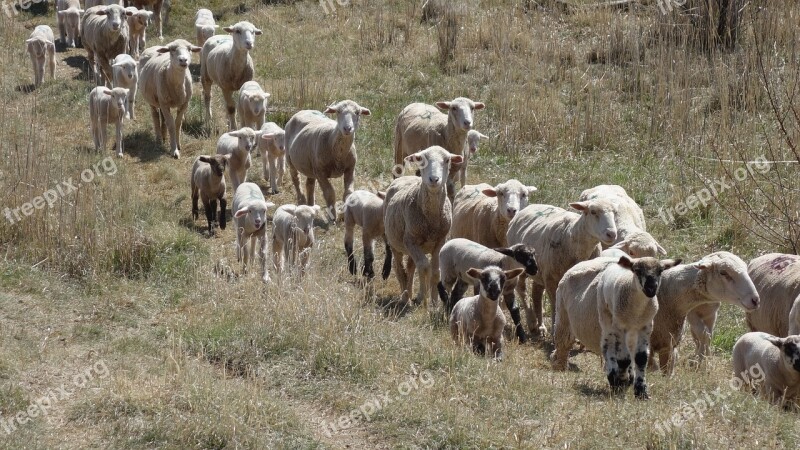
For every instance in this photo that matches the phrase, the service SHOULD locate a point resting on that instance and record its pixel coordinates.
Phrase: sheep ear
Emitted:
(514, 273)
(258, 32)
(102, 12)
(415, 158)
(316, 209)
(625, 262)
(60, 13)
(195, 48)
(331, 110)
(268, 136)
(443, 105)
(205, 159)
(702, 265)
(108, 92)
(241, 213)
(482, 136)
(365, 112)
(128, 13)
(456, 159)
(269, 204)
(228, 29)
(621, 245)
(162, 49)
(81, 11)
(381, 195)
(776, 341)
(580, 206)
(505, 251)
(490, 192)
(474, 273)
(670, 263)
(531, 189)
(661, 249)
(479, 105)
(216, 26)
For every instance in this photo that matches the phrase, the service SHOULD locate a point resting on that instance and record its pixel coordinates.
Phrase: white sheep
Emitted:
(42, 50)
(474, 138)
(107, 106)
(321, 148)
(778, 361)
(250, 218)
(68, 15)
(777, 279)
(365, 209)
(478, 321)
(238, 144)
(273, 154)
(226, 62)
(459, 255)
(561, 239)
(156, 7)
(252, 105)
(125, 74)
(204, 25)
(165, 82)
(482, 212)
(417, 217)
(137, 26)
(104, 36)
(293, 235)
(208, 183)
(91, 3)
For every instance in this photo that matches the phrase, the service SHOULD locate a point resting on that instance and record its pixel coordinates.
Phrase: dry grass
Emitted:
(119, 272)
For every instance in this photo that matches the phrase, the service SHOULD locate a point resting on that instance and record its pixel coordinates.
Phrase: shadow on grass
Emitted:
(591, 391)
(194, 69)
(25, 88)
(142, 145)
(196, 128)
(393, 307)
(81, 63)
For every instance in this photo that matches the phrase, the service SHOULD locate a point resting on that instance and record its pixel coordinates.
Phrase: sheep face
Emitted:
(473, 139)
(347, 113)
(460, 111)
(114, 16)
(525, 255)
(218, 163)
(492, 279)
(790, 349)
(305, 215)
(244, 35)
(435, 163)
(37, 47)
(180, 52)
(247, 138)
(126, 68)
(511, 196)
(278, 139)
(257, 102)
(727, 281)
(639, 244)
(255, 214)
(120, 97)
(647, 272)
(600, 215)
(141, 19)
(72, 23)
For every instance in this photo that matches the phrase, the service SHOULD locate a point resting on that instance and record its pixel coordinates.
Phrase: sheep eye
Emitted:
(594, 213)
(238, 31)
(725, 274)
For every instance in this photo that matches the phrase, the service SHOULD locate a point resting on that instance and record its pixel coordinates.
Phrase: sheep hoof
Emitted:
(176, 154)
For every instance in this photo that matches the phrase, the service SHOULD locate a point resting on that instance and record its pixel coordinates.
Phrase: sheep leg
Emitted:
(239, 237)
(103, 132)
(157, 123)
(305, 259)
(369, 256)
(277, 254)
(93, 124)
(495, 347)
(457, 293)
(614, 351)
(210, 207)
(347, 180)
(206, 82)
(179, 114)
(641, 348)
(36, 76)
(119, 137)
(562, 340)
(131, 101)
(400, 273)
(223, 205)
(173, 138)
(701, 322)
(62, 30)
(310, 197)
(537, 292)
(349, 226)
(262, 253)
(281, 169)
(301, 200)
(252, 253)
(330, 197)
(269, 170)
(231, 108)
(51, 59)
(434, 272)
(551, 296)
(387, 260)
(418, 259)
(157, 16)
(511, 304)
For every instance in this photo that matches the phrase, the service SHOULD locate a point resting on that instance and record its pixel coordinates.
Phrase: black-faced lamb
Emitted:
(778, 360)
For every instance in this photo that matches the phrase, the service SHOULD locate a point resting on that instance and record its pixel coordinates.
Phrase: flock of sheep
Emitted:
(597, 263)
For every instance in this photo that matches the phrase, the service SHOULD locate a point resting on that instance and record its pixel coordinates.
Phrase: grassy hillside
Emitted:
(113, 320)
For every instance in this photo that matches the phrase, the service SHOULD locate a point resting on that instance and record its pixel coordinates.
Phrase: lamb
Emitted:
(125, 74)
(155, 6)
(238, 145)
(107, 106)
(204, 25)
(778, 360)
(365, 209)
(91, 3)
(777, 279)
(293, 235)
(321, 148)
(459, 255)
(473, 140)
(561, 239)
(104, 36)
(137, 25)
(250, 218)
(478, 320)
(42, 48)
(68, 15)
(481, 213)
(226, 61)
(208, 182)
(417, 217)
(252, 105)
(165, 82)
(616, 297)
(273, 154)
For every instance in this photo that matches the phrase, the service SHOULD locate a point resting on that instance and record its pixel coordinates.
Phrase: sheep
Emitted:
(293, 235)
(321, 148)
(473, 140)
(155, 6)
(365, 209)
(778, 361)
(225, 61)
(208, 182)
(125, 74)
(165, 82)
(482, 213)
(250, 218)
(252, 105)
(561, 239)
(777, 279)
(273, 154)
(417, 217)
(609, 305)
(238, 145)
(104, 35)
(204, 25)
(478, 321)
(68, 15)
(137, 26)
(42, 49)
(107, 106)
(459, 255)
(91, 3)
(420, 126)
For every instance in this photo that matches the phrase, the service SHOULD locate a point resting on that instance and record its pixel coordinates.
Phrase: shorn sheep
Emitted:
(561, 239)
(204, 25)
(68, 17)
(165, 83)
(105, 35)
(365, 209)
(238, 144)
(321, 148)
(226, 62)
(252, 105)
(777, 279)
(137, 26)
(107, 106)
(250, 217)
(778, 360)
(417, 217)
(125, 74)
(41, 48)
(478, 321)
(208, 184)
(459, 255)
(273, 154)
(481, 212)
(156, 6)
(293, 235)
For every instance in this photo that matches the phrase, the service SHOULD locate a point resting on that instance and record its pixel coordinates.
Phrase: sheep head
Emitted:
(347, 113)
(180, 52)
(492, 279)
(512, 196)
(600, 214)
(726, 280)
(459, 111)
(435, 164)
(647, 272)
(244, 35)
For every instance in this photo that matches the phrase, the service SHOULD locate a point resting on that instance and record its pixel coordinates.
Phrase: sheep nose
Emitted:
(434, 180)
(511, 212)
(348, 129)
(467, 124)
(249, 45)
(115, 26)
(611, 235)
(755, 301)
